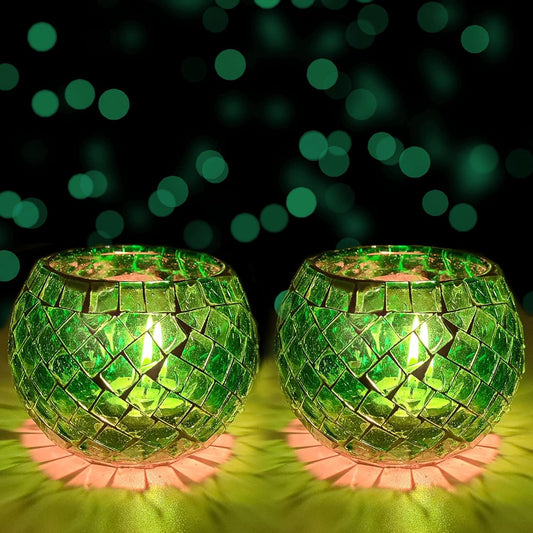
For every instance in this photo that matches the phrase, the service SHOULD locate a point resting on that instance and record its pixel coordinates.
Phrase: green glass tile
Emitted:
(511, 384)
(370, 297)
(120, 375)
(22, 305)
(404, 323)
(386, 375)
(439, 409)
(83, 389)
(339, 295)
(410, 353)
(286, 333)
(333, 431)
(481, 399)
(295, 356)
(464, 349)
(329, 367)
(324, 316)
(494, 292)
(92, 356)
(215, 399)
(45, 413)
(361, 320)
(86, 422)
(146, 395)
(328, 403)
(230, 295)
(113, 439)
(37, 279)
(172, 409)
(134, 423)
(350, 390)
(251, 357)
(426, 297)
(103, 298)
(401, 423)
(303, 279)
(476, 428)
(512, 324)
(413, 395)
(189, 295)
(380, 336)
(463, 387)
(114, 336)
(195, 318)
(484, 327)
(358, 356)
(456, 295)
(294, 390)
(20, 334)
(516, 354)
(58, 316)
(496, 311)
(398, 296)
(376, 408)
(109, 407)
(302, 320)
(159, 297)
(167, 334)
(479, 291)
(440, 373)
(318, 289)
(94, 321)
(462, 318)
(51, 289)
(218, 363)
(245, 322)
(501, 375)
(314, 343)
(309, 379)
(485, 363)
(193, 421)
(196, 350)
(144, 353)
(74, 294)
(67, 431)
(460, 420)
(379, 439)
(159, 435)
(36, 320)
(43, 380)
(497, 409)
(235, 376)
(174, 372)
(73, 333)
(48, 344)
(290, 303)
(29, 357)
(197, 387)
(217, 327)
(63, 367)
(211, 427)
(132, 297)
(501, 342)
(212, 291)
(352, 422)
(426, 435)
(283, 369)
(311, 413)
(230, 409)
(434, 334)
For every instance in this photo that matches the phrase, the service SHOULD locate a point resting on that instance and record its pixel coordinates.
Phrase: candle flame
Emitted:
(148, 341)
(412, 358)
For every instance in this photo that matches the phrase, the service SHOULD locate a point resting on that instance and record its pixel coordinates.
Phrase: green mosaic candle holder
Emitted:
(129, 354)
(399, 354)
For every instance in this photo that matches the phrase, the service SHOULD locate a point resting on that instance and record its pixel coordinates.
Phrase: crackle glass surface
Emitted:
(399, 354)
(132, 354)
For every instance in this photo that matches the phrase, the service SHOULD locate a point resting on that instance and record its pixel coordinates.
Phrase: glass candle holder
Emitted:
(399, 354)
(130, 354)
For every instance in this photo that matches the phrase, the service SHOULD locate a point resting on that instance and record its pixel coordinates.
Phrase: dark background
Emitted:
(140, 46)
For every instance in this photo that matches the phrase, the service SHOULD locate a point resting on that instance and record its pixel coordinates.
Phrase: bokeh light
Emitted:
(230, 64)
(322, 74)
(278, 111)
(42, 36)
(42, 210)
(9, 76)
(9, 265)
(215, 19)
(302, 4)
(80, 186)
(278, 299)
(432, 17)
(339, 198)
(194, 69)
(356, 37)
(335, 162)
(212, 166)
(109, 224)
(79, 94)
(26, 214)
(45, 103)
(198, 234)
(342, 87)
(132, 36)
(373, 19)
(414, 162)
(113, 104)
(301, 202)
(475, 39)
(463, 217)
(334, 5)
(177, 187)
(313, 145)
(341, 139)
(227, 4)
(347, 242)
(274, 218)
(435, 202)
(361, 104)
(519, 163)
(8, 201)
(267, 4)
(483, 158)
(245, 227)
(382, 146)
(100, 183)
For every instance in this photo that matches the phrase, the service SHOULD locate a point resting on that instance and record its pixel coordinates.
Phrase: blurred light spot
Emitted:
(302, 4)
(342, 87)
(274, 218)
(322, 74)
(212, 166)
(361, 104)
(43, 212)
(313, 145)
(347, 242)
(301, 202)
(483, 158)
(334, 4)
(527, 302)
(230, 64)
(215, 19)
(339, 198)
(273, 32)
(356, 37)
(277, 111)
(439, 73)
(9, 76)
(245, 227)
(45, 103)
(432, 17)
(435, 202)
(519, 163)
(42, 36)
(177, 187)
(500, 32)
(267, 4)
(227, 4)
(8, 201)
(355, 224)
(193, 69)
(109, 224)
(161, 203)
(414, 162)
(341, 139)
(395, 158)
(132, 36)
(113, 104)
(26, 214)
(95, 239)
(198, 234)
(80, 186)
(475, 39)
(79, 94)
(382, 146)
(335, 162)
(328, 40)
(9, 265)
(233, 108)
(463, 217)
(99, 183)
(373, 19)
(278, 300)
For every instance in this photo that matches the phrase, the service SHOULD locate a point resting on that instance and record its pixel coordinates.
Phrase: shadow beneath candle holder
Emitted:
(60, 464)
(327, 464)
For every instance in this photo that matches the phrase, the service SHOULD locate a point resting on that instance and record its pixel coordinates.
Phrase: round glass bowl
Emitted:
(131, 354)
(399, 354)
